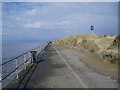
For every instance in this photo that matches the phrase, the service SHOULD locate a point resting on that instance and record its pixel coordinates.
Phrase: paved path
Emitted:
(63, 69)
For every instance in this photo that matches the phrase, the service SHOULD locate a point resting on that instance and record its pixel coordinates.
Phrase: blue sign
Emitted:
(92, 27)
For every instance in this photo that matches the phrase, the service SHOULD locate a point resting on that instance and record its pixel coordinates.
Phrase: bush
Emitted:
(113, 57)
(89, 45)
(87, 36)
(116, 42)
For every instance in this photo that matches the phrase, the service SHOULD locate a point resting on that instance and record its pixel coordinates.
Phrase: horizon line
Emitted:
(60, 1)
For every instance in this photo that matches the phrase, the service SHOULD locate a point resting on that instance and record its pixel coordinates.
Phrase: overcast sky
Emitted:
(50, 21)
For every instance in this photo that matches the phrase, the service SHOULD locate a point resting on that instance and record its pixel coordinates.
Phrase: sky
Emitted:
(46, 21)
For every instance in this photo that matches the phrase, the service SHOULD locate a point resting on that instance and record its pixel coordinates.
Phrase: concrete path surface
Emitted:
(63, 69)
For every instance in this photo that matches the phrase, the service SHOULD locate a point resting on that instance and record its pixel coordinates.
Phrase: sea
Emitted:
(11, 50)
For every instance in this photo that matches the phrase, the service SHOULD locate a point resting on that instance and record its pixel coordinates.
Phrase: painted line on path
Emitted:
(74, 73)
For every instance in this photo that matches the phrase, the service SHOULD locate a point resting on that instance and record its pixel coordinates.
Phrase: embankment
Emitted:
(104, 46)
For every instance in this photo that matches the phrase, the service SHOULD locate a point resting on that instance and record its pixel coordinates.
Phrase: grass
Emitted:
(89, 45)
(113, 57)
(105, 45)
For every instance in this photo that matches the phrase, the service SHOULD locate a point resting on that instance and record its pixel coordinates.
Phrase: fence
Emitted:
(12, 68)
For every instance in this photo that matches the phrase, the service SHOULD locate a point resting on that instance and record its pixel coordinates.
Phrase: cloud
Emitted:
(58, 19)
(32, 12)
(36, 24)
(49, 25)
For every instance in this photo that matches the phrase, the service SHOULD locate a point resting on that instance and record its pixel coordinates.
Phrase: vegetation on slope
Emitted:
(116, 42)
(104, 45)
(112, 50)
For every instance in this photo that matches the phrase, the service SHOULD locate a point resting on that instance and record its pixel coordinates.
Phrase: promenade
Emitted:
(60, 68)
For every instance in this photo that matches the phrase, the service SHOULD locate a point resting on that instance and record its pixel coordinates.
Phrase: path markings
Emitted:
(74, 73)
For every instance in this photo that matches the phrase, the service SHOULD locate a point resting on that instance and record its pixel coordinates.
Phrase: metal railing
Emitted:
(12, 68)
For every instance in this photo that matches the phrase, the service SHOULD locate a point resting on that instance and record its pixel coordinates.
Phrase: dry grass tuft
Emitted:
(104, 45)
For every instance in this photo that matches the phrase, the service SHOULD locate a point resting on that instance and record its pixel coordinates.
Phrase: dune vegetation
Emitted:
(104, 46)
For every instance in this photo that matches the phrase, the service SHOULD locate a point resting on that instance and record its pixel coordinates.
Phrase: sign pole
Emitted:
(92, 28)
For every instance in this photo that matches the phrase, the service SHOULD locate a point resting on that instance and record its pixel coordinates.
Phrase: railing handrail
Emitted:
(14, 69)
(2, 79)
(20, 55)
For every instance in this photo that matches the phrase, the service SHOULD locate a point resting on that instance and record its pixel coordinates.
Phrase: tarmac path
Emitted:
(61, 68)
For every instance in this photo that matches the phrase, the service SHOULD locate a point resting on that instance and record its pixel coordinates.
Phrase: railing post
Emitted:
(24, 61)
(30, 56)
(1, 82)
(17, 67)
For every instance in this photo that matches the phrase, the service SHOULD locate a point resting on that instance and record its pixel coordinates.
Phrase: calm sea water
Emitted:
(11, 50)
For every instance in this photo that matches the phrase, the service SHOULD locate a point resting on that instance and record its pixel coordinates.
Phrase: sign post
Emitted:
(92, 28)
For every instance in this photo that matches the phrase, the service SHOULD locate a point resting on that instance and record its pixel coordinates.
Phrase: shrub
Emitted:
(89, 45)
(113, 57)
(116, 42)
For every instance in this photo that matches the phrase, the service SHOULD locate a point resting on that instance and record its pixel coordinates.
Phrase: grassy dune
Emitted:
(105, 46)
